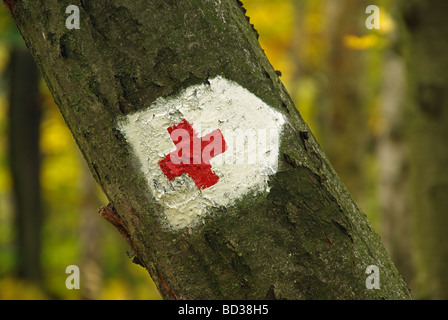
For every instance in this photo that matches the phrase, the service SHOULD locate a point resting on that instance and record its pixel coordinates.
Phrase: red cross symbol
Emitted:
(192, 155)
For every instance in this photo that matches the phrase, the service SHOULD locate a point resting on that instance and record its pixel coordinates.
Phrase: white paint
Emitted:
(223, 105)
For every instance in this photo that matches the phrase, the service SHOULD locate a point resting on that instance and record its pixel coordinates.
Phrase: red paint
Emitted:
(196, 165)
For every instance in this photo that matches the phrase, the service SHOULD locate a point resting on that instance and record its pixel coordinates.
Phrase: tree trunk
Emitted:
(427, 61)
(301, 237)
(24, 121)
(90, 236)
(339, 71)
(393, 159)
(343, 112)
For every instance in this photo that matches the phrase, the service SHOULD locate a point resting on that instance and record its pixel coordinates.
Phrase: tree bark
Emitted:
(426, 50)
(304, 239)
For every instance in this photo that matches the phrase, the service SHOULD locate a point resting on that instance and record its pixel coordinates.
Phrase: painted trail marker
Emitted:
(205, 147)
(193, 161)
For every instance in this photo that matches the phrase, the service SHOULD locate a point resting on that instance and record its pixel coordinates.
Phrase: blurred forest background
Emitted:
(349, 84)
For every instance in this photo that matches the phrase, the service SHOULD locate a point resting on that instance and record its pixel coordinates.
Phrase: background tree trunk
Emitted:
(24, 158)
(425, 43)
(90, 235)
(323, 58)
(304, 239)
(343, 112)
(393, 159)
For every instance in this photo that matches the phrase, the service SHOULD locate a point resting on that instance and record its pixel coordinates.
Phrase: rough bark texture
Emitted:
(427, 61)
(305, 239)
